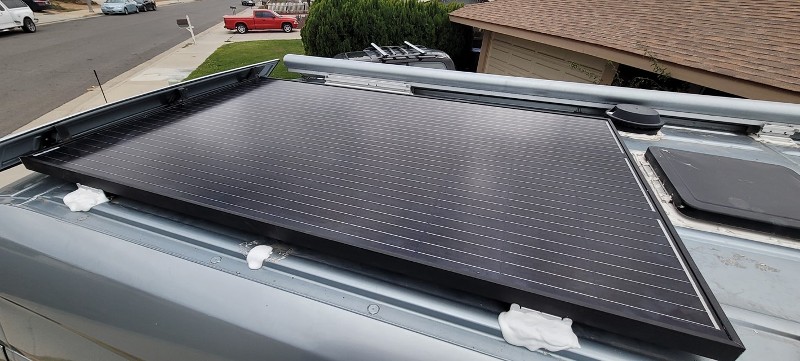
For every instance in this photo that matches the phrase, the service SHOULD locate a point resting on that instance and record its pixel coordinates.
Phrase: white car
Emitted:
(16, 14)
(119, 7)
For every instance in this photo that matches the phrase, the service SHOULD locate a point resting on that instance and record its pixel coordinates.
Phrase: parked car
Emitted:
(248, 3)
(409, 54)
(146, 5)
(119, 7)
(38, 5)
(260, 19)
(16, 14)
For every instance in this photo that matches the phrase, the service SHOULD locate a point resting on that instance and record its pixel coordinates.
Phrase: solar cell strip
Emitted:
(271, 146)
(638, 235)
(534, 201)
(212, 149)
(323, 155)
(297, 181)
(384, 151)
(233, 168)
(435, 142)
(339, 135)
(476, 143)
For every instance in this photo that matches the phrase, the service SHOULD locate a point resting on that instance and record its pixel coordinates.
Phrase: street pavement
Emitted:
(162, 70)
(46, 69)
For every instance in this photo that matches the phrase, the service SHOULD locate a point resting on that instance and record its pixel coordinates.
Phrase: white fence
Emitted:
(289, 8)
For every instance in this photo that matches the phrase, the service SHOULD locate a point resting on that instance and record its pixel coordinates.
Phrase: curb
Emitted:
(87, 16)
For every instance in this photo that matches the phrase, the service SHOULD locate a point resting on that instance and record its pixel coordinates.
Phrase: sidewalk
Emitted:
(166, 69)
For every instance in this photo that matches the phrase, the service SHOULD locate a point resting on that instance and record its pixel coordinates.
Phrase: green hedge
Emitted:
(338, 26)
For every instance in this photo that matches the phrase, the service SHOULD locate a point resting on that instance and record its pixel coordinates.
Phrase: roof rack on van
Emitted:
(402, 54)
(410, 51)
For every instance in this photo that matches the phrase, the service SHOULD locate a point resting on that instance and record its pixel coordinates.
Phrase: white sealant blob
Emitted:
(257, 256)
(84, 198)
(534, 330)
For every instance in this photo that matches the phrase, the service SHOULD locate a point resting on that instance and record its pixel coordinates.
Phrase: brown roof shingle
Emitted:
(753, 40)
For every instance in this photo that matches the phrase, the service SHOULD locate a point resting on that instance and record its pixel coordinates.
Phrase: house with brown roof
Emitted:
(745, 48)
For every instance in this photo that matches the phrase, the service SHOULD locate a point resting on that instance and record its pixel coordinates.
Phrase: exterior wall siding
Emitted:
(507, 55)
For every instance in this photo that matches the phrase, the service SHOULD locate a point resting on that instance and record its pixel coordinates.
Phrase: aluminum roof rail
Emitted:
(414, 47)
(694, 106)
(378, 48)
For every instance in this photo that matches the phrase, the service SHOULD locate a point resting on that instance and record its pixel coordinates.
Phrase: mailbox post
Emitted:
(187, 24)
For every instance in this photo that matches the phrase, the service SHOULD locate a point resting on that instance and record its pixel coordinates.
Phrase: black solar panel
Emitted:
(540, 209)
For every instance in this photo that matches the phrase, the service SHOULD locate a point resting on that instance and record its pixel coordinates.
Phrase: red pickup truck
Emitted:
(260, 19)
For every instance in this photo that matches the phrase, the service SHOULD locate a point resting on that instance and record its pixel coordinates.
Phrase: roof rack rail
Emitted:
(414, 47)
(378, 48)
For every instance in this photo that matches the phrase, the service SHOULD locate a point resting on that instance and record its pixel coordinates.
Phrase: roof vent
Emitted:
(635, 118)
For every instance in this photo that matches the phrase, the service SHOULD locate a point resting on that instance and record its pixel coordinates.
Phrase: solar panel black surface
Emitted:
(540, 209)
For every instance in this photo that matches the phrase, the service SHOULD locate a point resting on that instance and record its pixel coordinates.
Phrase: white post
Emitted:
(191, 29)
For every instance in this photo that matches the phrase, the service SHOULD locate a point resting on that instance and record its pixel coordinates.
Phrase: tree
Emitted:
(659, 79)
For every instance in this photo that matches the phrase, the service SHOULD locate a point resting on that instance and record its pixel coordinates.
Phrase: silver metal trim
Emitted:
(737, 111)
(414, 47)
(378, 48)
(688, 274)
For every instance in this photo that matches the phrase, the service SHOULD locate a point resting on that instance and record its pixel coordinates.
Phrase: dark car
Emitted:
(409, 55)
(248, 2)
(146, 5)
(38, 5)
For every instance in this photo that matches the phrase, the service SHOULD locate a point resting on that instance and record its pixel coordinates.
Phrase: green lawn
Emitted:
(234, 55)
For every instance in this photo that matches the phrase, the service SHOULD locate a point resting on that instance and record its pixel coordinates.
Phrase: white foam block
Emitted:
(534, 330)
(84, 198)
(257, 256)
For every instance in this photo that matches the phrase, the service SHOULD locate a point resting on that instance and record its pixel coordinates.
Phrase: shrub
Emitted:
(338, 26)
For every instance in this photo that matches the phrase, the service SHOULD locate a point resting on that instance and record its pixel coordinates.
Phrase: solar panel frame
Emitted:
(724, 344)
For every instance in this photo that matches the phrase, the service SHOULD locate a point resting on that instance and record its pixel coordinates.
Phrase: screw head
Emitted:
(373, 309)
